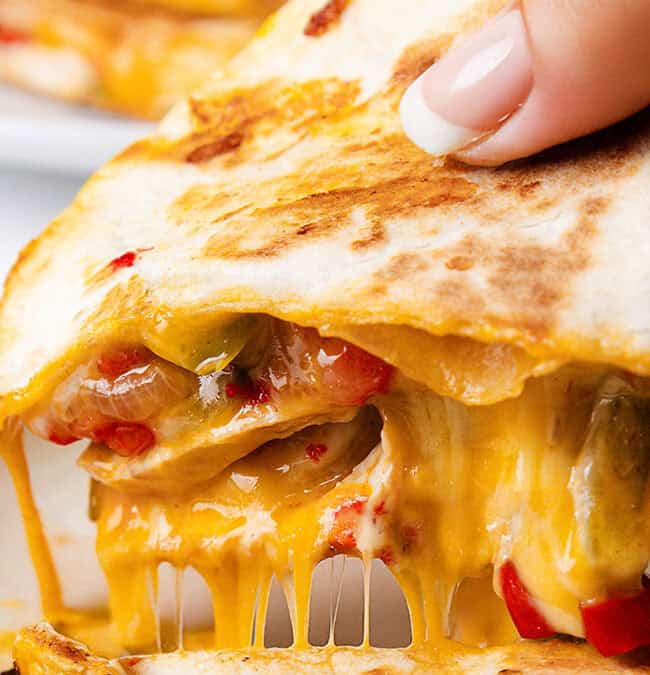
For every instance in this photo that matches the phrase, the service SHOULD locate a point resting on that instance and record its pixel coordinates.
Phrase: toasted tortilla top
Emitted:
(287, 187)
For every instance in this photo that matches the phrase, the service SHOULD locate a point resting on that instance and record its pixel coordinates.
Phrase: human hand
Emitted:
(539, 74)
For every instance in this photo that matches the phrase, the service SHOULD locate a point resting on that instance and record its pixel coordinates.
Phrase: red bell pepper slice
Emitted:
(343, 536)
(11, 36)
(528, 620)
(62, 438)
(618, 624)
(314, 451)
(120, 361)
(352, 375)
(128, 439)
(252, 391)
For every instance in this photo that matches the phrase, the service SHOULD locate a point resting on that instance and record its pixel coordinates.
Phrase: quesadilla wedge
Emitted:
(288, 334)
(121, 55)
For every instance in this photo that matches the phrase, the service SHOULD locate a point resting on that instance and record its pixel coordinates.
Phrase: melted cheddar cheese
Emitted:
(451, 492)
(553, 480)
(13, 454)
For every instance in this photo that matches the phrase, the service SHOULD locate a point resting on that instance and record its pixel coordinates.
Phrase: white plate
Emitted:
(38, 133)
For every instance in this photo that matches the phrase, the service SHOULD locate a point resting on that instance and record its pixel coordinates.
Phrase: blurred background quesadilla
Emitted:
(131, 56)
(245, 8)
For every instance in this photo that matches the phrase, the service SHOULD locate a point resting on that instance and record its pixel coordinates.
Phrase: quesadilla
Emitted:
(288, 334)
(123, 55)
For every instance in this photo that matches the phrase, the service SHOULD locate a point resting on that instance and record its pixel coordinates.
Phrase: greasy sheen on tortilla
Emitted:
(511, 303)
(122, 55)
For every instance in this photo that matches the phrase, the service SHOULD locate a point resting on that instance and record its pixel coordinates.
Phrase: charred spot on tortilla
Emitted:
(323, 214)
(203, 153)
(273, 102)
(534, 278)
(375, 234)
(460, 263)
(325, 18)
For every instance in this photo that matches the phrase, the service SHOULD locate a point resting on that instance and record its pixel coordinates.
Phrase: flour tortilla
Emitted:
(40, 650)
(287, 186)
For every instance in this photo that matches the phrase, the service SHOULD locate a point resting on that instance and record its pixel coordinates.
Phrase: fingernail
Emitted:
(469, 92)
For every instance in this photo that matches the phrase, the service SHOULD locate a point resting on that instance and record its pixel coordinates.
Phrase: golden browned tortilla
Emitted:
(356, 349)
(290, 174)
(41, 651)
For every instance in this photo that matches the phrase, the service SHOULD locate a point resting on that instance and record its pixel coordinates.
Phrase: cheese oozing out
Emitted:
(305, 447)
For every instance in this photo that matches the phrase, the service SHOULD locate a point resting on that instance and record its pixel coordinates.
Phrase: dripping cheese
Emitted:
(549, 485)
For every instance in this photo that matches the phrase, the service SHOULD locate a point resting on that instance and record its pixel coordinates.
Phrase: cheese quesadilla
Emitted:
(125, 56)
(288, 334)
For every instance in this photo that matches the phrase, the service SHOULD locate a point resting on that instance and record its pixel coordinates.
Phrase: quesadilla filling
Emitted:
(270, 448)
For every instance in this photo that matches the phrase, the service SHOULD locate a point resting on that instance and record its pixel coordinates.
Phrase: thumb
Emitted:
(542, 73)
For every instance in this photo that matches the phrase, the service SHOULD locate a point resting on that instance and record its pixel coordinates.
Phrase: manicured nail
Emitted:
(469, 92)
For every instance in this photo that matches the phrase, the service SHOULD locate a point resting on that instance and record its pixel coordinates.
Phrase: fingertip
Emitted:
(551, 116)
(427, 129)
(528, 85)
(468, 91)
